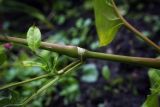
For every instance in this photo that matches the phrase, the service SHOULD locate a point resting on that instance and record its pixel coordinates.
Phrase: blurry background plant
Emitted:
(100, 83)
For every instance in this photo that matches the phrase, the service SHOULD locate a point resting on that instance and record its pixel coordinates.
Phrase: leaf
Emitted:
(2, 55)
(33, 64)
(154, 76)
(106, 73)
(107, 23)
(90, 73)
(53, 61)
(153, 99)
(34, 38)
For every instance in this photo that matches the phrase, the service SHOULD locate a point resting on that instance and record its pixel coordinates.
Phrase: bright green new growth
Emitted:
(107, 23)
(33, 63)
(33, 38)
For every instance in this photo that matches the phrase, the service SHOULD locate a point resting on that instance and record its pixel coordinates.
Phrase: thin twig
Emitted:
(25, 81)
(133, 29)
(67, 70)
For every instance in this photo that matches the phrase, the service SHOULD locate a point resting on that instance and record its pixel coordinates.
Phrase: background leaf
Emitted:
(90, 73)
(107, 23)
(70, 89)
(33, 38)
(106, 73)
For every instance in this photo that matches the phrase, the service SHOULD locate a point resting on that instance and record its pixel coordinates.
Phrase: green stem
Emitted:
(72, 51)
(73, 68)
(51, 82)
(67, 69)
(40, 77)
(147, 62)
(133, 29)
(24, 82)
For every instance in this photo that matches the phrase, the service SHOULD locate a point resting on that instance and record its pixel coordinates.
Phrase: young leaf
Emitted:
(34, 38)
(107, 23)
(32, 64)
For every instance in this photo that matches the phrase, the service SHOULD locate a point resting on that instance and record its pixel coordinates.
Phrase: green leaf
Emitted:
(153, 99)
(2, 55)
(33, 64)
(34, 38)
(107, 23)
(53, 61)
(154, 76)
(106, 73)
(90, 73)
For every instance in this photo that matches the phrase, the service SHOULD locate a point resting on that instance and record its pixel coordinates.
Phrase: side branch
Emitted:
(72, 51)
(133, 29)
